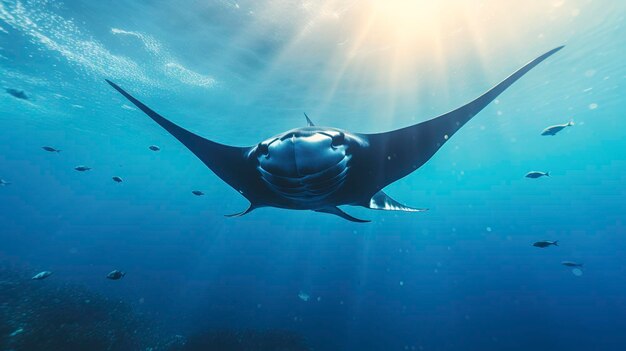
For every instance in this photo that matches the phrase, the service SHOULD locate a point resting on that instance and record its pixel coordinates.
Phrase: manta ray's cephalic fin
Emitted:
(227, 162)
(338, 212)
(393, 155)
(250, 208)
(382, 201)
(309, 123)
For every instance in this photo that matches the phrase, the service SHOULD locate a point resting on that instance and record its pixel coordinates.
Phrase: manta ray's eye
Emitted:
(262, 150)
(338, 139)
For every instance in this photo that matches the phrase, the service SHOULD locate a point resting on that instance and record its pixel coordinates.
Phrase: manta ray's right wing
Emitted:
(227, 162)
(393, 155)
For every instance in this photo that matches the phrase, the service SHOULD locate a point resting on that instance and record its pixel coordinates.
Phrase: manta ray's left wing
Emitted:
(227, 162)
(393, 155)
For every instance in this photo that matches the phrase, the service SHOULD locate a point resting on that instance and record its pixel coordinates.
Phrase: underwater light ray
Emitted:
(300, 43)
(348, 58)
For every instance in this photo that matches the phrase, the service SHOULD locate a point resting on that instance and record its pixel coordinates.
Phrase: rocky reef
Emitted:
(246, 340)
(56, 316)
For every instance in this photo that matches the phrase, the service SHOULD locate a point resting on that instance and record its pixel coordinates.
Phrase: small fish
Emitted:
(20, 94)
(50, 149)
(304, 296)
(154, 148)
(4, 182)
(42, 275)
(537, 174)
(572, 264)
(17, 332)
(117, 179)
(197, 192)
(116, 275)
(552, 130)
(546, 243)
(82, 168)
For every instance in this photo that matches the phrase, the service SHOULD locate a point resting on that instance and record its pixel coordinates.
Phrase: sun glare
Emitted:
(399, 51)
(406, 16)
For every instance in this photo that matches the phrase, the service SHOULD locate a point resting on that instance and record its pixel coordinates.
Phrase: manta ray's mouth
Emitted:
(312, 186)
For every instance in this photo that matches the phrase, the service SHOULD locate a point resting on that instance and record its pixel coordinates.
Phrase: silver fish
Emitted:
(116, 275)
(42, 275)
(552, 130)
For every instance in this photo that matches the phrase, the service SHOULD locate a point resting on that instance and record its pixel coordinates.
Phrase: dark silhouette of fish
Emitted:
(197, 192)
(572, 264)
(154, 148)
(537, 174)
(82, 168)
(50, 149)
(20, 94)
(117, 179)
(545, 243)
(320, 168)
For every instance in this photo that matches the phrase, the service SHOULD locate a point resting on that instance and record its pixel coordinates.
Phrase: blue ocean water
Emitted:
(462, 276)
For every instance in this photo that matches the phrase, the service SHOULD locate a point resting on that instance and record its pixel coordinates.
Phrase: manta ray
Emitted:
(320, 168)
